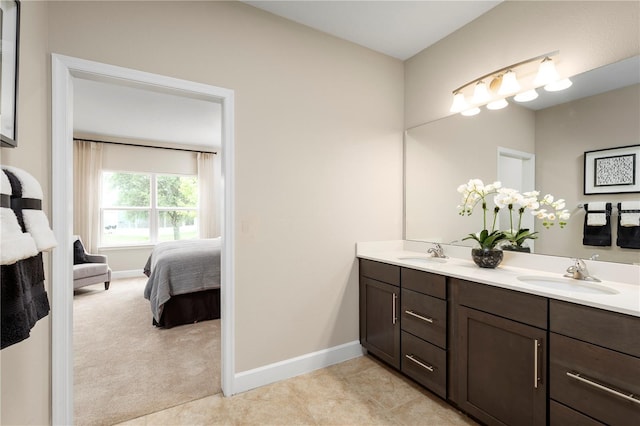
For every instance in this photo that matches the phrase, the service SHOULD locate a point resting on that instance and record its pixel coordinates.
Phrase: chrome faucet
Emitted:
(437, 251)
(579, 271)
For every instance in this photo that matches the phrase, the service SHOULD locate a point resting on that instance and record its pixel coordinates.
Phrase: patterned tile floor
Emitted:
(361, 391)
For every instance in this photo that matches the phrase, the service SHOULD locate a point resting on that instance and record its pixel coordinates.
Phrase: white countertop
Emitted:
(459, 264)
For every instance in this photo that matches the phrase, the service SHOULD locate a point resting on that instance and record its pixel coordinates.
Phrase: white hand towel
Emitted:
(596, 206)
(35, 221)
(630, 205)
(14, 244)
(596, 219)
(629, 219)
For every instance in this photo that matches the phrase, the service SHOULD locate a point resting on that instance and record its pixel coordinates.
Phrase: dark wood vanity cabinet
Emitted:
(502, 356)
(594, 365)
(379, 310)
(500, 353)
(424, 329)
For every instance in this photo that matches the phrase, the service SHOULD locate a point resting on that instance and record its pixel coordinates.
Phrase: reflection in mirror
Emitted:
(599, 111)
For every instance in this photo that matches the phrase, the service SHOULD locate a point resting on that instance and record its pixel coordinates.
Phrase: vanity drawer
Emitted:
(605, 328)
(424, 316)
(561, 415)
(596, 367)
(424, 282)
(425, 363)
(380, 271)
(522, 307)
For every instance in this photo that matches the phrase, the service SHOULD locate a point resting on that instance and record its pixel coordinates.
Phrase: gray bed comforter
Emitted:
(180, 267)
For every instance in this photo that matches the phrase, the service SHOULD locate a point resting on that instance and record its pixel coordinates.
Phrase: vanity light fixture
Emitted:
(499, 104)
(519, 81)
(527, 96)
(481, 94)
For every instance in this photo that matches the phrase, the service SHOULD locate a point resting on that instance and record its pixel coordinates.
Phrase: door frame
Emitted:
(63, 71)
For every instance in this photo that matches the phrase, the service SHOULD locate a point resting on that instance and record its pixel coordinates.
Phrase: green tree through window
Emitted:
(148, 207)
(177, 191)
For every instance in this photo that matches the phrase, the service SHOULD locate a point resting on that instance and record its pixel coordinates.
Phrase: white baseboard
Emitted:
(134, 273)
(286, 369)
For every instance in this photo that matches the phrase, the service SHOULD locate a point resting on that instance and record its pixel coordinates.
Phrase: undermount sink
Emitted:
(567, 284)
(423, 259)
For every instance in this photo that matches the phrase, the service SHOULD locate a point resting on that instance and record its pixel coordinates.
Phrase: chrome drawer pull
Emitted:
(536, 379)
(421, 364)
(393, 308)
(591, 382)
(413, 314)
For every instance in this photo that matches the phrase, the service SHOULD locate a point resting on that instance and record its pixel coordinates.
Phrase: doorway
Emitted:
(64, 70)
(517, 170)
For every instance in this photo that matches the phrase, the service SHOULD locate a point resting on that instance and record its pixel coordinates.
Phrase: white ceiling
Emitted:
(122, 111)
(396, 28)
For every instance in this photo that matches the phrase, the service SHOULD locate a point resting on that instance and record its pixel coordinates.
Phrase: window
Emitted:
(144, 208)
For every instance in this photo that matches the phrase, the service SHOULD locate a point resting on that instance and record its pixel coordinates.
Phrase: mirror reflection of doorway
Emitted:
(517, 169)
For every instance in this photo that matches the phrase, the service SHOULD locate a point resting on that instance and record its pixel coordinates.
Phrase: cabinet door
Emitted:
(501, 369)
(379, 323)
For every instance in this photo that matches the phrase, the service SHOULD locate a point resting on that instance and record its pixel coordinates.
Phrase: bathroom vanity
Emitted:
(498, 348)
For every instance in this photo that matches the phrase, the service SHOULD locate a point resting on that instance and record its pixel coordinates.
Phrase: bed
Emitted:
(184, 282)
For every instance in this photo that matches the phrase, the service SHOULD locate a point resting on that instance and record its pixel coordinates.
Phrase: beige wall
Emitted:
(563, 134)
(318, 161)
(588, 34)
(25, 368)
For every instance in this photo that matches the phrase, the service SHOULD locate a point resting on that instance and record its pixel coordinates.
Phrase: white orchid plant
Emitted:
(475, 192)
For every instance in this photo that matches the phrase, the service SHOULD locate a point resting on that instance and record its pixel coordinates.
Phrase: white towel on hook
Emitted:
(596, 206)
(15, 245)
(35, 221)
(629, 219)
(596, 219)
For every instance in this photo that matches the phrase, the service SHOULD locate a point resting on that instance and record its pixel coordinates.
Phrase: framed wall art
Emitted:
(612, 171)
(10, 34)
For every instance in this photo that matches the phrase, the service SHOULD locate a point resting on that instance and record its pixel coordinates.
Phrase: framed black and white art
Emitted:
(612, 171)
(10, 33)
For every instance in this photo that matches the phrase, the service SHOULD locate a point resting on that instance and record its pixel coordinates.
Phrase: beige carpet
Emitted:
(124, 367)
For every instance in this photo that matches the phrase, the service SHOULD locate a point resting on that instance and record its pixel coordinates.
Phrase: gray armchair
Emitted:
(91, 269)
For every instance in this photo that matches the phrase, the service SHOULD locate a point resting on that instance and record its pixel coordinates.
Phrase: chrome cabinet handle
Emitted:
(536, 377)
(413, 314)
(393, 308)
(626, 395)
(421, 364)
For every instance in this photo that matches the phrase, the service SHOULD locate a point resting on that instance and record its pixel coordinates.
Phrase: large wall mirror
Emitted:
(544, 140)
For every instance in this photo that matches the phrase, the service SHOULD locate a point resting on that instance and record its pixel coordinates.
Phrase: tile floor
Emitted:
(361, 391)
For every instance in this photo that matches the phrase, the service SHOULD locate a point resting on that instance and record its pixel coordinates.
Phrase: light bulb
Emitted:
(546, 73)
(459, 103)
(499, 104)
(527, 96)
(480, 93)
(471, 111)
(556, 86)
(509, 84)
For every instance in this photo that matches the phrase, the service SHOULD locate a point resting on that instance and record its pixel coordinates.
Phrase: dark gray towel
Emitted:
(24, 299)
(628, 236)
(597, 235)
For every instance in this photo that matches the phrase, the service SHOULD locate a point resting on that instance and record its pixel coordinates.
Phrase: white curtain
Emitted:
(207, 195)
(87, 168)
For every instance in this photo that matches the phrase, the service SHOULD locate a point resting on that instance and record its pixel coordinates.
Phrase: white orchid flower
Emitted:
(540, 214)
(558, 204)
(547, 199)
(564, 215)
